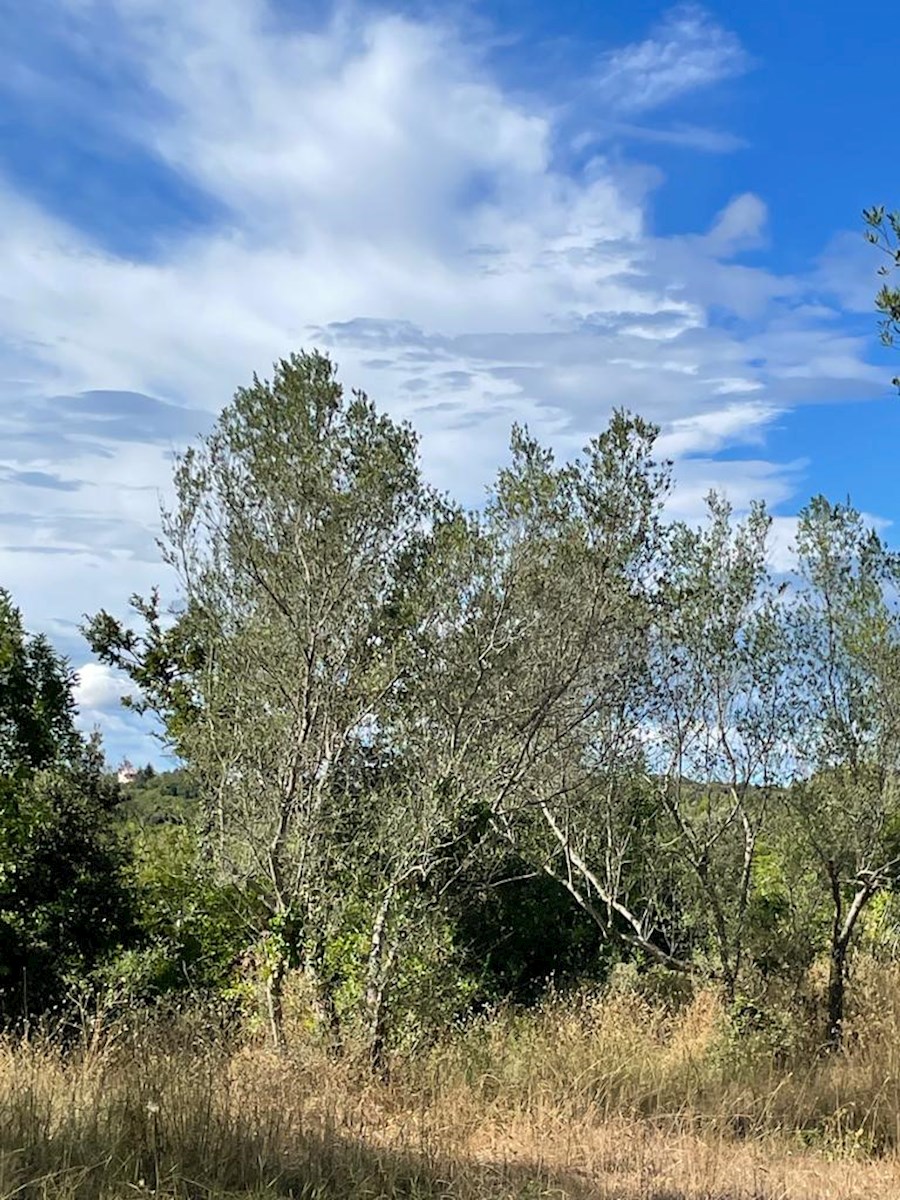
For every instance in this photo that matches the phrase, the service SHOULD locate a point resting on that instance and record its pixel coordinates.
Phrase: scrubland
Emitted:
(613, 1095)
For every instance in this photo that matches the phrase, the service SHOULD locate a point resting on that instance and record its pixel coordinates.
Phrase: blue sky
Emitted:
(489, 212)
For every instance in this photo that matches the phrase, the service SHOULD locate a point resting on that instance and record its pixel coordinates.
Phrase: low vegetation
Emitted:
(613, 1095)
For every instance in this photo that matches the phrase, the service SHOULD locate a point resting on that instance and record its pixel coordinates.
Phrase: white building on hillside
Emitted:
(127, 773)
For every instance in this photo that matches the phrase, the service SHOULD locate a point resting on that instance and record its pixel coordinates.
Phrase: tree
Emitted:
(381, 698)
(521, 679)
(64, 903)
(847, 736)
(300, 535)
(37, 710)
(162, 660)
(583, 543)
(716, 736)
(538, 716)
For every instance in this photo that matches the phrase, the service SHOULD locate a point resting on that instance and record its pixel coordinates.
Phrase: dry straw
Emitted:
(608, 1096)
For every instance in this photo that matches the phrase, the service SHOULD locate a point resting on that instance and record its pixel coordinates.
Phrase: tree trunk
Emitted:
(377, 973)
(326, 1010)
(837, 963)
(275, 1003)
(323, 1001)
(720, 927)
(377, 1011)
(841, 935)
(837, 976)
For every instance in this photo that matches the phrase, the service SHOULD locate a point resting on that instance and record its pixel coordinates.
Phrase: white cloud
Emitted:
(100, 689)
(782, 554)
(741, 482)
(848, 271)
(687, 51)
(704, 433)
(739, 225)
(98, 693)
(688, 137)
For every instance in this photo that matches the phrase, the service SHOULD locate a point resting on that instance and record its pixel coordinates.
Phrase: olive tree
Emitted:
(846, 660)
(716, 737)
(553, 700)
(298, 535)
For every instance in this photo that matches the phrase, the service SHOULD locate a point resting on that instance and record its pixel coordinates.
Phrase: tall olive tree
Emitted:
(716, 737)
(553, 692)
(298, 535)
(846, 659)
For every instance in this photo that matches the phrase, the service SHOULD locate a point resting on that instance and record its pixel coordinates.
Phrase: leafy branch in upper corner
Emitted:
(883, 231)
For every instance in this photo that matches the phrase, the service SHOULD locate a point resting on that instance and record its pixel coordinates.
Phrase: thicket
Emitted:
(434, 759)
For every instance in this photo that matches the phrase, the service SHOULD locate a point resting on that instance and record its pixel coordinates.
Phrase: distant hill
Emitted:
(157, 797)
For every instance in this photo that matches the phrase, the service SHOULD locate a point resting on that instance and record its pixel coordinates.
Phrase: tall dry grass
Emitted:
(606, 1096)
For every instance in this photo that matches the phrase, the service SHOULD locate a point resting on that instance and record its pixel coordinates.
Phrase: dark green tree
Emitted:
(36, 707)
(63, 901)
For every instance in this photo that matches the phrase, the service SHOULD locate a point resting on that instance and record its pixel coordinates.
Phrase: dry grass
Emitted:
(608, 1098)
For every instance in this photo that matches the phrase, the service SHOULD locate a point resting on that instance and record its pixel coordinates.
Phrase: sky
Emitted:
(485, 212)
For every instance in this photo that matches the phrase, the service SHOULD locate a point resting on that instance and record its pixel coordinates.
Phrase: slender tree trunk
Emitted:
(377, 974)
(696, 857)
(837, 976)
(323, 1000)
(837, 964)
(634, 933)
(326, 1010)
(726, 960)
(377, 1011)
(275, 1003)
(841, 935)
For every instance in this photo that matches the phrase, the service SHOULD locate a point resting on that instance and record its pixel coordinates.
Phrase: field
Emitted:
(610, 1096)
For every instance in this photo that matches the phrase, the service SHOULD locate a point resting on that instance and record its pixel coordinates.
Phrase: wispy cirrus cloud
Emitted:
(687, 51)
(681, 135)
